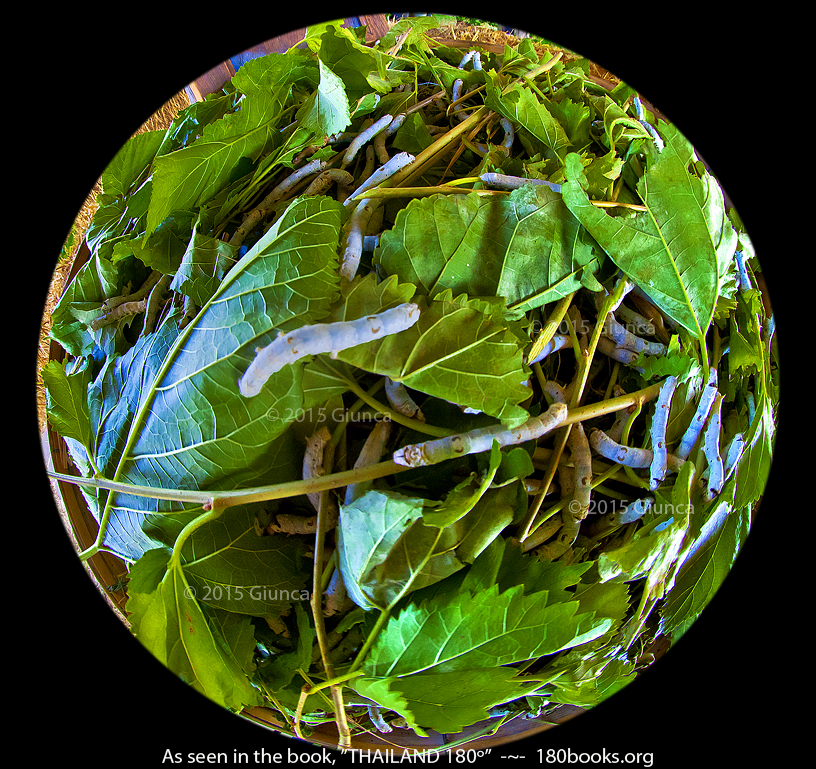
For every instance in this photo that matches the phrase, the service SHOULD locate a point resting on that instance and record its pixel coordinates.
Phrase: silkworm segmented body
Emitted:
(700, 415)
(556, 343)
(505, 182)
(355, 236)
(323, 338)
(711, 449)
(400, 400)
(476, 441)
(660, 421)
(627, 455)
(398, 162)
(365, 136)
(582, 460)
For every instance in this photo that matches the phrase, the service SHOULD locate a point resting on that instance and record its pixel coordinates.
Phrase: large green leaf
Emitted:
(675, 250)
(214, 657)
(191, 175)
(456, 350)
(522, 107)
(171, 415)
(436, 644)
(526, 246)
(326, 111)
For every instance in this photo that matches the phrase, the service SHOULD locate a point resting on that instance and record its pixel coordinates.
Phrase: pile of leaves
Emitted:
(277, 553)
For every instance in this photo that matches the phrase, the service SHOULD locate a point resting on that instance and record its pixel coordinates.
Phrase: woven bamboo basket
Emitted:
(107, 570)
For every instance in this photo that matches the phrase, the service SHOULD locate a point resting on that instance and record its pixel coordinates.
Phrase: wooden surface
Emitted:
(376, 26)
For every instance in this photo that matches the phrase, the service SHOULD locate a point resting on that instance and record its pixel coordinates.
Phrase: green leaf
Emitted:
(67, 401)
(173, 626)
(447, 702)
(203, 266)
(234, 568)
(360, 67)
(192, 175)
(487, 629)
(369, 529)
(673, 249)
(525, 246)
(701, 576)
(388, 549)
(326, 111)
(455, 351)
(522, 107)
(286, 280)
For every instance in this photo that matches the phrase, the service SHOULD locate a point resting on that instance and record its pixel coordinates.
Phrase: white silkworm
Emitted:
(556, 343)
(358, 221)
(400, 400)
(465, 59)
(660, 421)
(627, 357)
(398, 162)
(711, 449)
(505, 182)
(509, 134)
(626, 340)
(744, 279)
(365, 136)
(479, 440)
(733, 454)
(629, 514)
(323, 338)
(627, 455)
(642, 120)
(394, 125)
(700, 415)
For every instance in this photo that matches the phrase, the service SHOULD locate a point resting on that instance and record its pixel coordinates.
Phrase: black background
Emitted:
(719, 696)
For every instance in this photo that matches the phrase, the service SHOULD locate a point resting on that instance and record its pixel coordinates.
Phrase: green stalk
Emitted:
(212, 500)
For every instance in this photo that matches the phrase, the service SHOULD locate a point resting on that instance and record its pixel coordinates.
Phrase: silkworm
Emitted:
(506, 182)
(634, 511)
(400, 400)
(326, 179)
(355, 234)
(711, 449)
(627, 455)
(370, 454)
(642, 120)
(507, 142)
(543, 533)
(479, 440)
(257, 213)
(395, 124)
(155, 302)
(700, 415)
(313, 459)
(742, 268)
(323, 338)
(466, 58)
(335, 594)
(364, 137)
(558, 342)
(733, 454)
(660, 421)
(626, 340)
(628, 357)
(398, 162)
(636, 320)
(582, 462)
(122, 310)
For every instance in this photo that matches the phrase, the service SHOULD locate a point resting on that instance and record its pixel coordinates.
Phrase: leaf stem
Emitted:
(220, 499)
